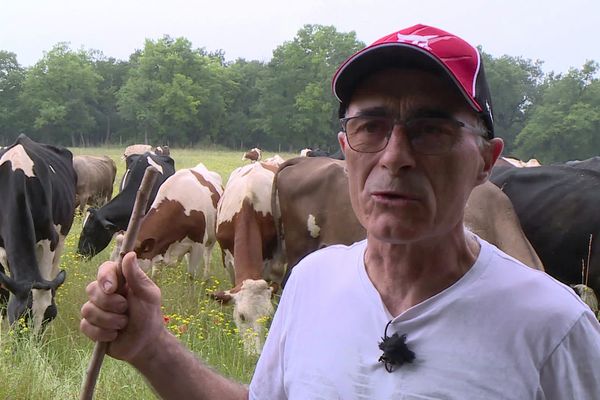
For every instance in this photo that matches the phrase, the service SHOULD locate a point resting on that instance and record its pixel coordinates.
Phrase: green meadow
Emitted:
(53, 366)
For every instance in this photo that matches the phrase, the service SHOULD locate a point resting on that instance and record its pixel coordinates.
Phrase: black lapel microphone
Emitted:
(395, 350)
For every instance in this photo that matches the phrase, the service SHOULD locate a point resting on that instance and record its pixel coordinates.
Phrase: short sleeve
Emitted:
(571, 371)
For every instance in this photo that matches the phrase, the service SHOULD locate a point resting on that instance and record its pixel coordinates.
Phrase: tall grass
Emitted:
(53, 366)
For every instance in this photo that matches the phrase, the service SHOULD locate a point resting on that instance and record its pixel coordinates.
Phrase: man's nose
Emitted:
(398, 153)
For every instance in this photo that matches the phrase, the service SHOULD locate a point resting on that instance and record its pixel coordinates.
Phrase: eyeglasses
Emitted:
(427, 135)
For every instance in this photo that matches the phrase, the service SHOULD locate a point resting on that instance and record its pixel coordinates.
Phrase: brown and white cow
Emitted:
(252, 155)
(136, 149)
(247, 235)
(181, 222)
(315, 212)
(95, 180)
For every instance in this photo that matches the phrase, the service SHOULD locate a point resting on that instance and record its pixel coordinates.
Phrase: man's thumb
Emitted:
(137, 280)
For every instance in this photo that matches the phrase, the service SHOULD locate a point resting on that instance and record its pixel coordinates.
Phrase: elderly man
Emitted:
(421, 308)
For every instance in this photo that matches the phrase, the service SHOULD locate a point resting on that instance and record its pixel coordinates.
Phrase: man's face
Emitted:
(399, 195)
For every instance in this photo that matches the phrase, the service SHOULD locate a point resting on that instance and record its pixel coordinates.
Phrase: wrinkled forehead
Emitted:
(406, 90)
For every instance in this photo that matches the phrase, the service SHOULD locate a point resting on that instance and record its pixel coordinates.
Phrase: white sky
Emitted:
(562, 33)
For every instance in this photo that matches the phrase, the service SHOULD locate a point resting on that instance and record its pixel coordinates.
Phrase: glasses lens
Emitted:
(432, 135)
(368, 134)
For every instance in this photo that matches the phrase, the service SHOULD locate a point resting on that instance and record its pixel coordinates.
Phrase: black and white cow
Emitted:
(101, 224)
(557, 209)
(38, 202)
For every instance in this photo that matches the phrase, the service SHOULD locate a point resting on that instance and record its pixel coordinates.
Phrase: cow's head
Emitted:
(252, 308)
(96, 233)
(33, 301)
(146, 253)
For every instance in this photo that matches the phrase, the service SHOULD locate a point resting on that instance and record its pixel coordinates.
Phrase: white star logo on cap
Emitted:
(421, 41)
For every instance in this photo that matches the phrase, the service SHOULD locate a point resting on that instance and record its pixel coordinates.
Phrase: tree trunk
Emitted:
(107, 137)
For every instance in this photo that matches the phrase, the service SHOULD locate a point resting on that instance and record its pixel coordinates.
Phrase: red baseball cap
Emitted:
(421, 47)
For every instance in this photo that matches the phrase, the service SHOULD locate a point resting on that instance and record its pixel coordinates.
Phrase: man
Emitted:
(456, 318)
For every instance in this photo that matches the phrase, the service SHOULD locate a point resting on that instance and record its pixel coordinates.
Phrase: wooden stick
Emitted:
(135, 221)
(587, 270)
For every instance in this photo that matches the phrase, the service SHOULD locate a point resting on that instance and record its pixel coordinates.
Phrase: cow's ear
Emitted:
(109, 226)
(147, 245)
(223, 296)
(274, 288)
(8, 283)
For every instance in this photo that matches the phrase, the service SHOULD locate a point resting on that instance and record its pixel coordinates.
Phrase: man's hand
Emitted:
(130, 319)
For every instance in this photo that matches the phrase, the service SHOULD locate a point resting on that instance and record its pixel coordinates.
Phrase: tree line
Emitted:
(171, 93)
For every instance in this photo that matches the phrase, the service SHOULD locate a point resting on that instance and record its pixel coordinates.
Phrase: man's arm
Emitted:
(175, 373)
(571, 371)
(132, 322)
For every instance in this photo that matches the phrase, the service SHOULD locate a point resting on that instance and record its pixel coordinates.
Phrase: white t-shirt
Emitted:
(503, 331)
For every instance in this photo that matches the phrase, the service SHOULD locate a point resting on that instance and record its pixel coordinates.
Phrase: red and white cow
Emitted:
(247, 235)
(181, 222)
(252, 155)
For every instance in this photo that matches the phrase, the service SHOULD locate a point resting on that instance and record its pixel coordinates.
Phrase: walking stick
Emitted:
(139, 209)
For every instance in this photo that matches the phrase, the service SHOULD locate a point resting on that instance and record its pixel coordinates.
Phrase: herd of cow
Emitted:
(269, 215)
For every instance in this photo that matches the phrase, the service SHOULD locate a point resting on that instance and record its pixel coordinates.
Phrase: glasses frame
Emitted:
(405, 122)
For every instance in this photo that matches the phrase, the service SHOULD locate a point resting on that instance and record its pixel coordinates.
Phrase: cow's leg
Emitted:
(247, 246)
(82, 203)
(206, 254)
(57, 254)
(194, 259)
(41, 299)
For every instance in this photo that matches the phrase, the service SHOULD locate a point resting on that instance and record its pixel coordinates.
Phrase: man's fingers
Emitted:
(137, 281)
(114, 303)
(103, 319)
(107, 277)
(97, 334)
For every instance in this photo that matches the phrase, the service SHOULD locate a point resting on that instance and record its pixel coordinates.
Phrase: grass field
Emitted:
(53, 367)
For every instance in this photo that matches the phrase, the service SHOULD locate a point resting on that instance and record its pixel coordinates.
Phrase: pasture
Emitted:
(53, 366)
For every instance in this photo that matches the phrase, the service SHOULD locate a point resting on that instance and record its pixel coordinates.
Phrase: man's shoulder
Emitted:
(534, 289)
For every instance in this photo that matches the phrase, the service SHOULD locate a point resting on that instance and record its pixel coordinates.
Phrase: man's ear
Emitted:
(342, 142)
(490, 154)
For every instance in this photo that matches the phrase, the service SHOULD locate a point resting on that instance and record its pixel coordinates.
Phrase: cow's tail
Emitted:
(276, 210)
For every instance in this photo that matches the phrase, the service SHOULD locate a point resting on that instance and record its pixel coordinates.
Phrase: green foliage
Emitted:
(171, 93)
(108, 120)
(175, 94)
(60, 92)
(11, 82)
(296, 101)
(514, 84)
(565, 123)
(241, 128)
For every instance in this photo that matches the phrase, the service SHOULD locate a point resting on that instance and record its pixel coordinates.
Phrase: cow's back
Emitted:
(556, 206)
